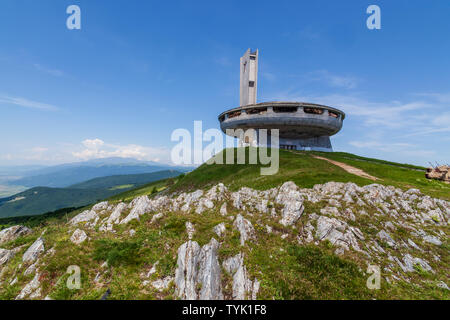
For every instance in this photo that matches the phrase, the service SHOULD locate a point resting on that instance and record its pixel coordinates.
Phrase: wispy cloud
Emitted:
(334, 80)
(53, 72)
(23, 102)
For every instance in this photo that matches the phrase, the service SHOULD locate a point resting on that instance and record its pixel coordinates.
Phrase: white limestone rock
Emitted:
(245, 228)
(337, 232)
(100, 206)
(291, 198)
(138, 206)
(198, 267)
(186, 272)
(243, 287)
(78, 236)
(384, 236)
(12, 233)
(34, 251)
(90, 217)
(223, 209)
(220, 229)
(6, 256)
(114, 218)
(31, 290)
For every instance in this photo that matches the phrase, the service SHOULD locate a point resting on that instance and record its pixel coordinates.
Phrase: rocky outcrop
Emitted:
(245, 227)
(13, 233)
(89, 217)
(291, 198)
(198, 267)
(114, 218)
(34, 251)
(243, 287)
(338, 233)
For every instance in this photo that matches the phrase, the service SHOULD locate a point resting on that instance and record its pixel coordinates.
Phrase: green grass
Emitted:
(306, 171)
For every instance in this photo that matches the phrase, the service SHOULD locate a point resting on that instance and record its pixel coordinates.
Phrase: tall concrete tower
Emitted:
(249, 77)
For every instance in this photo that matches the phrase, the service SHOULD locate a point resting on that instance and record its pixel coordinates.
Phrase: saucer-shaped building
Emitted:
(301, 125)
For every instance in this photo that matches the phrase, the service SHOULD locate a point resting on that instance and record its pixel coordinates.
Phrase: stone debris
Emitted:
(78, 236)
(34, 251)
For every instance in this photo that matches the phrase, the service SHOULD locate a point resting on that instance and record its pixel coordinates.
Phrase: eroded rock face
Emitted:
(198, 267)
(34, 251)
(243, 287)
(12, 233)
(78, 236)
(186, 272)
(245, 227)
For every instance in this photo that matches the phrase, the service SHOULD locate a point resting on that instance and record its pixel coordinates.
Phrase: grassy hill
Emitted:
(39, 200)
(286, 266)
(306, 171)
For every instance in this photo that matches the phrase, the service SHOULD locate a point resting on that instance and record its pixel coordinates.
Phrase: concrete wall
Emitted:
(248, 75)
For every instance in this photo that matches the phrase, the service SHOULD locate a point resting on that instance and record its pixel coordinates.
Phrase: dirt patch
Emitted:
(349, 169)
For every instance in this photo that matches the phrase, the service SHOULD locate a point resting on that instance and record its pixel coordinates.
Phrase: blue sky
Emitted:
(137, 70)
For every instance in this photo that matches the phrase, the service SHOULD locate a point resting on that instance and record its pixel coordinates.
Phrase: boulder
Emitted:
(79, 236)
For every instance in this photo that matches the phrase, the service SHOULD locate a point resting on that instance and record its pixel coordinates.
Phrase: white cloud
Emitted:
(22, 102)
(97, 149)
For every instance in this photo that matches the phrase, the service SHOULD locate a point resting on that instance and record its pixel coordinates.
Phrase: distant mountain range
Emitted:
(64, 175)
(39, 200)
